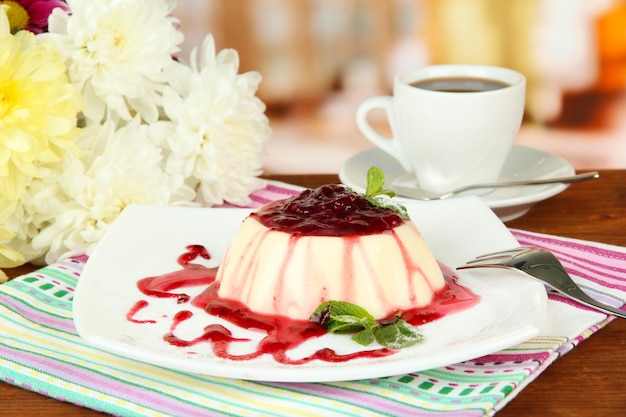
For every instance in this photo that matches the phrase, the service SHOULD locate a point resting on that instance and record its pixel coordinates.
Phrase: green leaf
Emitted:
(376, 194)
(344, 324)
(364, 337)
(397, 335)
(375, 181)
(341, 308)
(384, 201)
(340, 317)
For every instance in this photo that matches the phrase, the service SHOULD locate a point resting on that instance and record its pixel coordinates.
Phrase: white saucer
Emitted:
(507, 203)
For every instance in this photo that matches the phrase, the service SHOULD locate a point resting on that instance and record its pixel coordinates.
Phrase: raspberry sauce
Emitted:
(283, 334)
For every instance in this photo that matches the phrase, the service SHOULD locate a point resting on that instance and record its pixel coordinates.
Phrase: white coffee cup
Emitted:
(449, 139)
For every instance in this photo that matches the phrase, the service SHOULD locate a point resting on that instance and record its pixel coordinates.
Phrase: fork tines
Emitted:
(500, 256)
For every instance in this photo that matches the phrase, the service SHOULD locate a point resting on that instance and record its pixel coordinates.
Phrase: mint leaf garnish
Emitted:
(376, 183)
(376, 193)
(364, 337)
(340, 317)
(397, 335)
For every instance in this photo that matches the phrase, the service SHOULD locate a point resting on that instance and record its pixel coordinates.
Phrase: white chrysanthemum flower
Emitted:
(217, 127)
(116, 51)
(68, 212)
(42, 198)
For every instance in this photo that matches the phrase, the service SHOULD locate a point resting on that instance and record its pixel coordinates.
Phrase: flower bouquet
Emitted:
(97, 112)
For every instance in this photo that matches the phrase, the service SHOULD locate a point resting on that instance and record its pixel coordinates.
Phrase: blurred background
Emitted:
(320, 58)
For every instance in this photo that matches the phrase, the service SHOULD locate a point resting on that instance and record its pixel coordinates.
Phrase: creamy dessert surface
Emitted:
(328, 244)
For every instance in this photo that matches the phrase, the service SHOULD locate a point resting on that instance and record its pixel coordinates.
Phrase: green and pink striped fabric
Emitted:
(40, 351)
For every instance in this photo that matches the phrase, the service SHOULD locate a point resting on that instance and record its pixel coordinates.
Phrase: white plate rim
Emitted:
(86, 305)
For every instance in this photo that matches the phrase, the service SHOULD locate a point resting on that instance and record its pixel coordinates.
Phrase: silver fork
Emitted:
(545, 267)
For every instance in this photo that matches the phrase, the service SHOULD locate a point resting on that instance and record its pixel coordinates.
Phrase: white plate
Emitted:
(145, 241)
(508, 203)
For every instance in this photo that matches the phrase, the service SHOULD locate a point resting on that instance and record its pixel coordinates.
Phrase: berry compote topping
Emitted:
(330, 210)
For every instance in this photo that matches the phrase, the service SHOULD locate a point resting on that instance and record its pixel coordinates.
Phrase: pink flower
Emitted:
(31, 15)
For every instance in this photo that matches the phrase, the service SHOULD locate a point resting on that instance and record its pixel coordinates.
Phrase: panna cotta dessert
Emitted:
(329, 243)
(328, 260)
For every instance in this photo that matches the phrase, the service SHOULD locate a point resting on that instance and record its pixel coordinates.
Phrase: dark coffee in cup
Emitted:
(459, 84)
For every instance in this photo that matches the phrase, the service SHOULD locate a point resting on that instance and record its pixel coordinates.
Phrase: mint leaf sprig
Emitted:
(376, 183)
(341, 317)
(376, 194)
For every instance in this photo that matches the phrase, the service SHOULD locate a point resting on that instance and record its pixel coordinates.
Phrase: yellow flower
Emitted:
(17, 15)
(38, 108)
(38, 116)
(9, 258)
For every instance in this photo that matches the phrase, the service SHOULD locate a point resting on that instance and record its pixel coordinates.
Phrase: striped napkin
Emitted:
(41, 351)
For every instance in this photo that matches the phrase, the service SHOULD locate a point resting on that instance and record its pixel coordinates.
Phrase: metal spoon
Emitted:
(419, 194)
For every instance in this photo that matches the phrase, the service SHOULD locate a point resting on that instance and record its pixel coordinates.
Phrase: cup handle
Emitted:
(390, 145)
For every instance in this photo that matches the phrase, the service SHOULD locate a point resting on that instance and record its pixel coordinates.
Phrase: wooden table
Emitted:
(589, 381)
